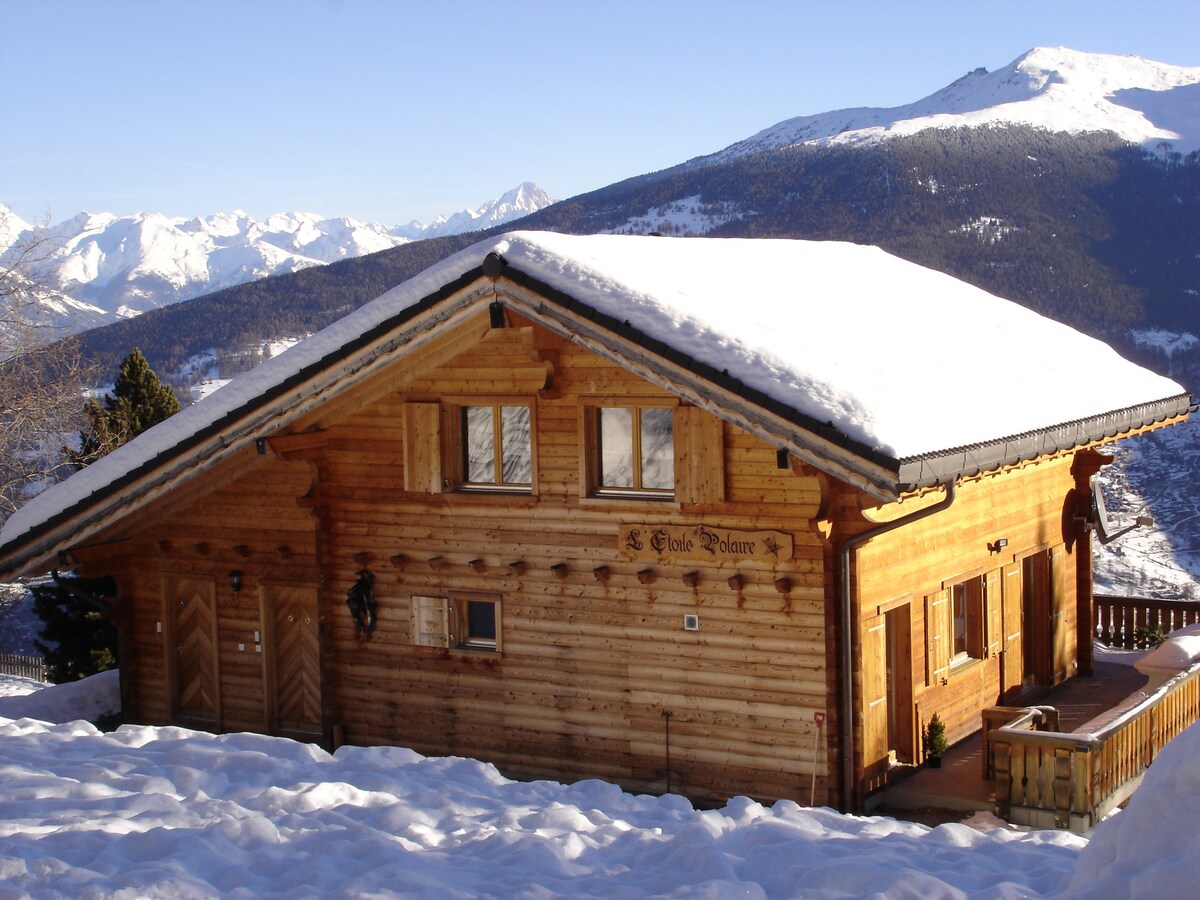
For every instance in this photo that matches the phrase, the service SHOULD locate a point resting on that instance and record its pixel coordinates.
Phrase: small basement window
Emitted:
(459, 621)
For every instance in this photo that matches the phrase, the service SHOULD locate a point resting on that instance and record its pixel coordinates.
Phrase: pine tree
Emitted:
(76, 639)
(138, 402)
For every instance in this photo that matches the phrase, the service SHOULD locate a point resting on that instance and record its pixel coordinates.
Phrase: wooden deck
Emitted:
(960, 785)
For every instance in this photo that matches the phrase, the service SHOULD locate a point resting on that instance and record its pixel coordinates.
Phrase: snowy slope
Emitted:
(104, 267)
(1055, 88)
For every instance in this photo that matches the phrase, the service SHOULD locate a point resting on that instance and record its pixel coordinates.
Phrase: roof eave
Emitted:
(928, 469)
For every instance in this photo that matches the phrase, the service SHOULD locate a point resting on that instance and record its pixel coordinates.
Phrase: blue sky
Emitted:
(389, 111)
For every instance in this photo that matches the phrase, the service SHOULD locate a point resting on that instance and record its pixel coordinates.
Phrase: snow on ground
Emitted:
(88, 699)
(167, 812)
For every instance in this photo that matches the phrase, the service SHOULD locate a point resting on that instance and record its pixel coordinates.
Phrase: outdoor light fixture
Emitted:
(235, 581)
(997, 545)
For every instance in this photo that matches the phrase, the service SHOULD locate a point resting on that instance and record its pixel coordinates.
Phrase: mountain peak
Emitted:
(522, 200)
(1056, 88)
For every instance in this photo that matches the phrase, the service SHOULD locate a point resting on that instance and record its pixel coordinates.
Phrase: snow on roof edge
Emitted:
(675, 294)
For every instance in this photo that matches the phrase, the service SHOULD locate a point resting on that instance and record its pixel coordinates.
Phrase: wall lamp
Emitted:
(235, 581)
(997, 545)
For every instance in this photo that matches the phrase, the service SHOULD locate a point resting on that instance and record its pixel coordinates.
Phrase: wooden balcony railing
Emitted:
(1132, 622)
(1050, 779)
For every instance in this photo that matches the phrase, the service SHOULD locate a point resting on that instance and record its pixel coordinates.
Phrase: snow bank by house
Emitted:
(1150, 850)
(87, 699)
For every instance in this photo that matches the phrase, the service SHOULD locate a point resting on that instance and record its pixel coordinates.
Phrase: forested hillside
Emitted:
(1084, 228)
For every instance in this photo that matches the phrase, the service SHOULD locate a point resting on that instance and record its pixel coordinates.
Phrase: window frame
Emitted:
(457, 445)
(590, 456)
(452, 611)
(971, 594)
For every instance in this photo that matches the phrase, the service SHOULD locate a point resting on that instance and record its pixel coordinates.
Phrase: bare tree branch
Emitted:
(41, 378)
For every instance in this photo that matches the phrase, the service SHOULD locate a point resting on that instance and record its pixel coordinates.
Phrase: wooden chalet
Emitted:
(712, 516)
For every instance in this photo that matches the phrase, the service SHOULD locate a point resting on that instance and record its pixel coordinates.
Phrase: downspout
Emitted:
(848, 547)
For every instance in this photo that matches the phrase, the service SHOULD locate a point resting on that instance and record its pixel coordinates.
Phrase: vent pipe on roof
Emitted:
(847, 623)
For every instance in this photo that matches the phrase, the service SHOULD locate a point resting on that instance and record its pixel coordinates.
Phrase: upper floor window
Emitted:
(496, 447)
(634, 451)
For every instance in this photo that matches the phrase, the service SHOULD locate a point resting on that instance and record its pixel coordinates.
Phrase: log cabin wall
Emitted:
(596, 673)
(968, 608)
(589, 661)
(248, 521)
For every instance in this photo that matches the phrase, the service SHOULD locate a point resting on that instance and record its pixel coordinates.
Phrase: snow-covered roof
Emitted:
(900, 363)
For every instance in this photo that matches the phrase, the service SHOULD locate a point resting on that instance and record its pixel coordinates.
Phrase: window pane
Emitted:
(515, 445)
(658, 449)
(616, 447)
(958, 621)
(481, 621)
(480, 446)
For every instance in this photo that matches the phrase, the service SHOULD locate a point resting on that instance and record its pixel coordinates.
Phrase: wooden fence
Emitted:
(1051, 779)
(24, 666)
(1132, 622)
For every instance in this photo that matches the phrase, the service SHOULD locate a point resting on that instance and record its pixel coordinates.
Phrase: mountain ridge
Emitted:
(100, 267)
(1051, 87)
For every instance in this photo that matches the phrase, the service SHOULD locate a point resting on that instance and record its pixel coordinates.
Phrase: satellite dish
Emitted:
(1106, 530)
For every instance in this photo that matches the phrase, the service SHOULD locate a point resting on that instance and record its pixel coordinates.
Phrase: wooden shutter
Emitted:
(422, 448)
(431, 621)
(699, 456)
(937, 637)
(1014, 638)
(874, 673)
(994, 613)
(1061, 636)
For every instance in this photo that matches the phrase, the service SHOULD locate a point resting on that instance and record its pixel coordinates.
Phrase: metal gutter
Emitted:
(933, 468)
(847, 623)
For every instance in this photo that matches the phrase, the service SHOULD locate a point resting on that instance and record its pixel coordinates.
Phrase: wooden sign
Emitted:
(651, 541)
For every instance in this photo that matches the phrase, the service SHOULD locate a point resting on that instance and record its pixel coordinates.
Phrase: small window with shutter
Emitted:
(457, 622)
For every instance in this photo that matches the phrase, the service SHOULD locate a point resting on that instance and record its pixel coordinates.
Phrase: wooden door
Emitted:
(1040, 623)
(191, 618)
(293, 659)
(1012, 676)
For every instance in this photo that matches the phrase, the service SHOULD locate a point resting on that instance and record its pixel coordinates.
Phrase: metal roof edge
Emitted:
(937, 467)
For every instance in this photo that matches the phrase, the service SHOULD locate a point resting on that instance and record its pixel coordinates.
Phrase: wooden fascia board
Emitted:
(877, 480)
(200, 452)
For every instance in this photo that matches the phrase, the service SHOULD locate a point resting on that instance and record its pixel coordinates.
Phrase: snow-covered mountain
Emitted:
(1055, 88)
(101, 267)
(522, 200)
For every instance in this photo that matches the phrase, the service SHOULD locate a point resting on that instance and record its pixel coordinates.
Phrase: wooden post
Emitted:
(1087, 463)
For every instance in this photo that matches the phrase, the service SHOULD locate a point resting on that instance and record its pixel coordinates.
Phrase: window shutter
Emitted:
(422, 448)
(994, 614)
(430, 621)
(699, 456)
(937, 638)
